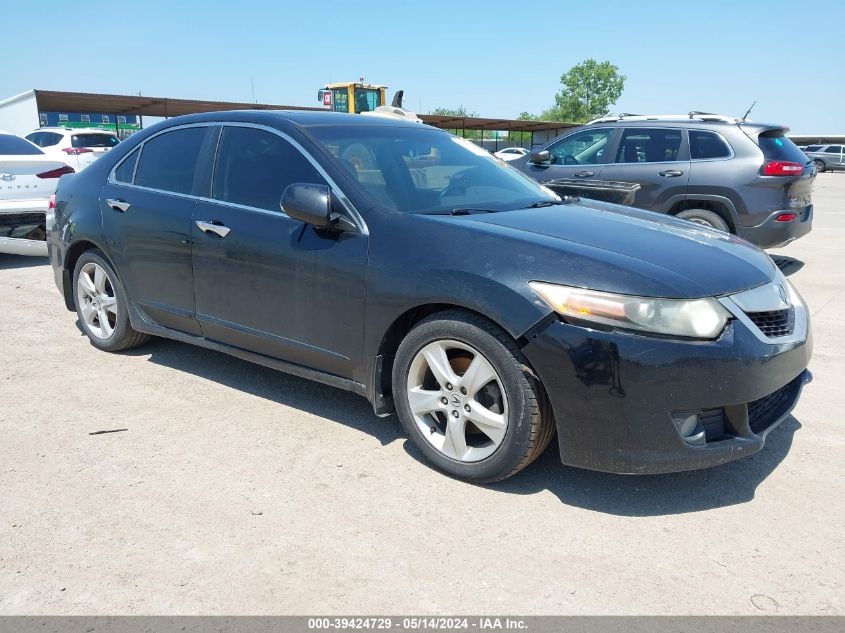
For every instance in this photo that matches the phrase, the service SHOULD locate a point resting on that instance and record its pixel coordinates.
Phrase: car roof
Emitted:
(304, 118)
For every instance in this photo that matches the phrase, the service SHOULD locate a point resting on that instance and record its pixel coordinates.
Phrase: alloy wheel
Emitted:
(96, 300)
(457, 400)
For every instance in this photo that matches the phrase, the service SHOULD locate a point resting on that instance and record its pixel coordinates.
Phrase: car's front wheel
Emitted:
(467, 398)
(820, 167)
(101, 304)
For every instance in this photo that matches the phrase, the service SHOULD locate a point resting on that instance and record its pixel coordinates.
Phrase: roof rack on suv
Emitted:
(694, 115)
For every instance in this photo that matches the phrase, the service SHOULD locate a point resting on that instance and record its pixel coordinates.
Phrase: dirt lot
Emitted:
(236, 489)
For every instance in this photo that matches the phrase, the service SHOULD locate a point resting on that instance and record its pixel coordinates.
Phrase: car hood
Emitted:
(621, 249)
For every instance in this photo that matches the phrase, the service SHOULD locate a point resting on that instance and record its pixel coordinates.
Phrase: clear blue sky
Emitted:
(495, 58)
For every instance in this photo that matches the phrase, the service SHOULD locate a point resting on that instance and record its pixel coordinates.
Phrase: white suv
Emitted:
(78, 147)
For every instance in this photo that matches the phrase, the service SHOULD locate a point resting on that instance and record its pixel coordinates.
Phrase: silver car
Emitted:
(826, 157)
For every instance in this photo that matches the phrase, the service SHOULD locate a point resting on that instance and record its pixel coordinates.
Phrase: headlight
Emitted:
(693, 318)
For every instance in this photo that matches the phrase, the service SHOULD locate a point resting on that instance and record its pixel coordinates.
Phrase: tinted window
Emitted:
(649, 146)
(582, 148)
(10, 144)
(424, 170)
(126, 170)
(776, 146)
(169, 161)
(813, 148)
(834, 149)
(94, 140)
(703, 145)
(254, 167)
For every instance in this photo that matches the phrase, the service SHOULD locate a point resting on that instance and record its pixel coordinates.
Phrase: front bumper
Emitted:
(615, 395)
(773, 234)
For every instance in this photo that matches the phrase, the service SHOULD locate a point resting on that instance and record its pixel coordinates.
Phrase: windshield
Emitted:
(425, 170)
(15, 145)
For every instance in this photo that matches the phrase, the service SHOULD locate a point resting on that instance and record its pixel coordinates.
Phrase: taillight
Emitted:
(786, 217)
(52, 204)
(76, 151)
(782, 168)
(56, 173)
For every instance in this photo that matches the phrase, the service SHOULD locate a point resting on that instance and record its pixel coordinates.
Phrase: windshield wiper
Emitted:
(549, 203)
(462, 211)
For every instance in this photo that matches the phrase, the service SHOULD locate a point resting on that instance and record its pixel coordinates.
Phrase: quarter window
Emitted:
(169, 161)
(254, 167)
(582, 148)
(126, 169)
(643, 145)
(704, 145)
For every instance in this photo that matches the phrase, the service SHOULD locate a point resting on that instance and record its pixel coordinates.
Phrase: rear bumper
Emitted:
(17, 219)
(616, 396)
(773, 234)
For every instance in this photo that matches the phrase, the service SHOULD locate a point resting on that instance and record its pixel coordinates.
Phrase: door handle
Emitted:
(215, 226)
(583, 174)
(118, 205)
(670, 173)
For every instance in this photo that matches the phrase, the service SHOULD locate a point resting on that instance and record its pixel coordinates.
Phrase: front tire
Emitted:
(705, 218)
(820, 166)
(101, 305)
(468, 400)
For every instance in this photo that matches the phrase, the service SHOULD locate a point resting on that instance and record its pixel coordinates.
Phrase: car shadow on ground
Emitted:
(7, 262)
(623, 495)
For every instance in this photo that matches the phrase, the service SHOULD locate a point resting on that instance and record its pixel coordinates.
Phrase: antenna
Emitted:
(748, 111)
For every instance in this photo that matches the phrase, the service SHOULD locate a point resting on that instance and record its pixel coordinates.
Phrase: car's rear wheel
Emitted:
(705, 218)
(820, 167)
(467, 399)
(101, 305)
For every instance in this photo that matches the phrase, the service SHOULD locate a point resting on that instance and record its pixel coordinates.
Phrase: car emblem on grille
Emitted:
(7, 177)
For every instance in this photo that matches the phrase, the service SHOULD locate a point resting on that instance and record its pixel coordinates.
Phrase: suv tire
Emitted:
(703, 216)
(99, 295)
(820, 166)
(442, 419)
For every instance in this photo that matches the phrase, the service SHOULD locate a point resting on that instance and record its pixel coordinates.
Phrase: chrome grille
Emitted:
(774, 323)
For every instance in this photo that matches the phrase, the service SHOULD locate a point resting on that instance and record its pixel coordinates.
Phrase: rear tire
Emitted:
(704, 217)
(495, 419)
(820, 166)
(101, 304)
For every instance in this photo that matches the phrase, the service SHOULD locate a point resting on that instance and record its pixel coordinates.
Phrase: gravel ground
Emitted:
(228, 488)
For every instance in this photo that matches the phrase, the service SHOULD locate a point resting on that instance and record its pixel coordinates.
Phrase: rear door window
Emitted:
(254, 167)
(15, 145)
(644, 145)
(834, 149)
(125, 172)
(707, 145)
(169, 161)
(776, 146)
(582, 148)
(94, 140)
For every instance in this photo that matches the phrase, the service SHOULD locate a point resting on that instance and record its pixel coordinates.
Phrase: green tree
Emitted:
(589, 90)
(460, 111)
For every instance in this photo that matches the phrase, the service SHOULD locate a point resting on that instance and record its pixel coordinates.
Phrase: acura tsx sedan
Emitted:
(410, 266)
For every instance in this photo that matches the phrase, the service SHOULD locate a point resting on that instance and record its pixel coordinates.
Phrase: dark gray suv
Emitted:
(737, 176)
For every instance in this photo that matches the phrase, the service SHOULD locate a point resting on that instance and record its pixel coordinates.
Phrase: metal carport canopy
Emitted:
(58, 101)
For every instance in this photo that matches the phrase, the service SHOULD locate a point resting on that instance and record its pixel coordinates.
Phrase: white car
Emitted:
(78, 147)
(511, 153)
(28, 179)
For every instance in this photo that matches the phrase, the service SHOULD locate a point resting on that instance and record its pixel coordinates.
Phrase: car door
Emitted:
(263, 281)
(146, 207)
(657, 159)
(578, 155)
(833, 157)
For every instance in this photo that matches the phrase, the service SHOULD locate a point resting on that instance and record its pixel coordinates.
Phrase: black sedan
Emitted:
(410, 266)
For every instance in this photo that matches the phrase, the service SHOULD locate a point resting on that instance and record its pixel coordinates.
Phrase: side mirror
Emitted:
(309, 203)
(540, 158)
